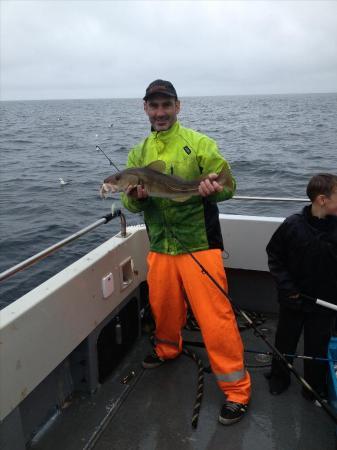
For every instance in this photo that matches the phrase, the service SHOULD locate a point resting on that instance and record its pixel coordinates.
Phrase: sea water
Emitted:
(274, 144)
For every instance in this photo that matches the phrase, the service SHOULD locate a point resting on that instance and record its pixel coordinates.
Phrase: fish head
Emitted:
(118, 182)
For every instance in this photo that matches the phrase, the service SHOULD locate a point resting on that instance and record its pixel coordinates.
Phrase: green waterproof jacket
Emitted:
(193, 224)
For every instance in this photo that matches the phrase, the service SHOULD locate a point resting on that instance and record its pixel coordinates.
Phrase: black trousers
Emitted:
(317, 326)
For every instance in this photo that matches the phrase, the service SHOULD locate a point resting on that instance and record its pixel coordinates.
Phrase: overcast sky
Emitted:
(103, 49)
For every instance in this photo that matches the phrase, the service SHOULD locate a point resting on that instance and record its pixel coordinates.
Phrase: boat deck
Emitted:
(153, 410)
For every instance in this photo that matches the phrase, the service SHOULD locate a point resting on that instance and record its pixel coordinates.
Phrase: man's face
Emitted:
(162, 111)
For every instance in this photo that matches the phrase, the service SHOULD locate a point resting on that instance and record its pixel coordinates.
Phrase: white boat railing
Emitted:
(271, 199)
(38, 256)
(35, 258)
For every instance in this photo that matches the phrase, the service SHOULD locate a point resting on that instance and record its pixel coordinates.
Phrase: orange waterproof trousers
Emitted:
(173, 278)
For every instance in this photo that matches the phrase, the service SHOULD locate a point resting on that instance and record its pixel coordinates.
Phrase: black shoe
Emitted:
(232, 412)
(152, 361)
(277, 385)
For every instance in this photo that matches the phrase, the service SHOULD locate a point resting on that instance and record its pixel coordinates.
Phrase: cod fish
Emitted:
(157, 183)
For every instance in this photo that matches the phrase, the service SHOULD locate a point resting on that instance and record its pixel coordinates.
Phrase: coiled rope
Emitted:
(200, 388)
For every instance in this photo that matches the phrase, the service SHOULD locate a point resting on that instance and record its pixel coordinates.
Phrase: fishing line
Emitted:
(275, 351)
(107, 157)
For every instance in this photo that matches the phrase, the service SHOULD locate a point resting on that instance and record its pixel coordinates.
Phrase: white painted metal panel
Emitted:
(245, 240)
(39, 330)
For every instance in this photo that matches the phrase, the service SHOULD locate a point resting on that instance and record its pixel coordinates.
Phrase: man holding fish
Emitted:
(176, 176)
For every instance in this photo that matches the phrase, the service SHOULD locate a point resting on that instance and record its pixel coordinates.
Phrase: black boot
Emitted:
(278, 384)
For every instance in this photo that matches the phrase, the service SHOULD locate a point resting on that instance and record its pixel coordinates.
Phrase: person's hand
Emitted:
(137, 192)
(294, 296)
(209, 186)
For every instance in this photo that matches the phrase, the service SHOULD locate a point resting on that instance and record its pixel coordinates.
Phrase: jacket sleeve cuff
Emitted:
(225, 194)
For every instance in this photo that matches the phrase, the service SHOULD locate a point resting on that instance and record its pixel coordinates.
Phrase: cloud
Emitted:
(86, 49)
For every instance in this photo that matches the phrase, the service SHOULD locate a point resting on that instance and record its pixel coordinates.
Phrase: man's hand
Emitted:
(137, 192)
(209, 186)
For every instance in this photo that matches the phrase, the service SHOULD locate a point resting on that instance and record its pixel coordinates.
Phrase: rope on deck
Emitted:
(200, 389)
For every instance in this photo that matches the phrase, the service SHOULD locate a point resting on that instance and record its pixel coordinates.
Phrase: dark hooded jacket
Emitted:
(302, 257)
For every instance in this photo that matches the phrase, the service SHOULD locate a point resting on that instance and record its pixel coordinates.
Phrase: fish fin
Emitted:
(181, 199)
(158, 166)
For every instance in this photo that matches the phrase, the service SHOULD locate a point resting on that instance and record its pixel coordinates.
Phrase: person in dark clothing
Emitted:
(302, 257)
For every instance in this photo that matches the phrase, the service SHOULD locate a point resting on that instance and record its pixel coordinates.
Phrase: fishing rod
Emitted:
(320, 302)
(309, 358)
(107, 157)
(288, 355)
(275, 351)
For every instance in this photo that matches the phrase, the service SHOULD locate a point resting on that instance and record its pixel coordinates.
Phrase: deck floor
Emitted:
(153, 411)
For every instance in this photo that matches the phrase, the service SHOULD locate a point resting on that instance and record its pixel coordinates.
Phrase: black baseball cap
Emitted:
(160, 87)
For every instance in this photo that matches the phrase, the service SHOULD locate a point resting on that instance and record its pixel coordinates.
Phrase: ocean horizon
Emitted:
(180, 97)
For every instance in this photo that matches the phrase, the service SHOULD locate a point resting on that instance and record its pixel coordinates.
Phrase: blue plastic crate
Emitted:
(332, 378)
